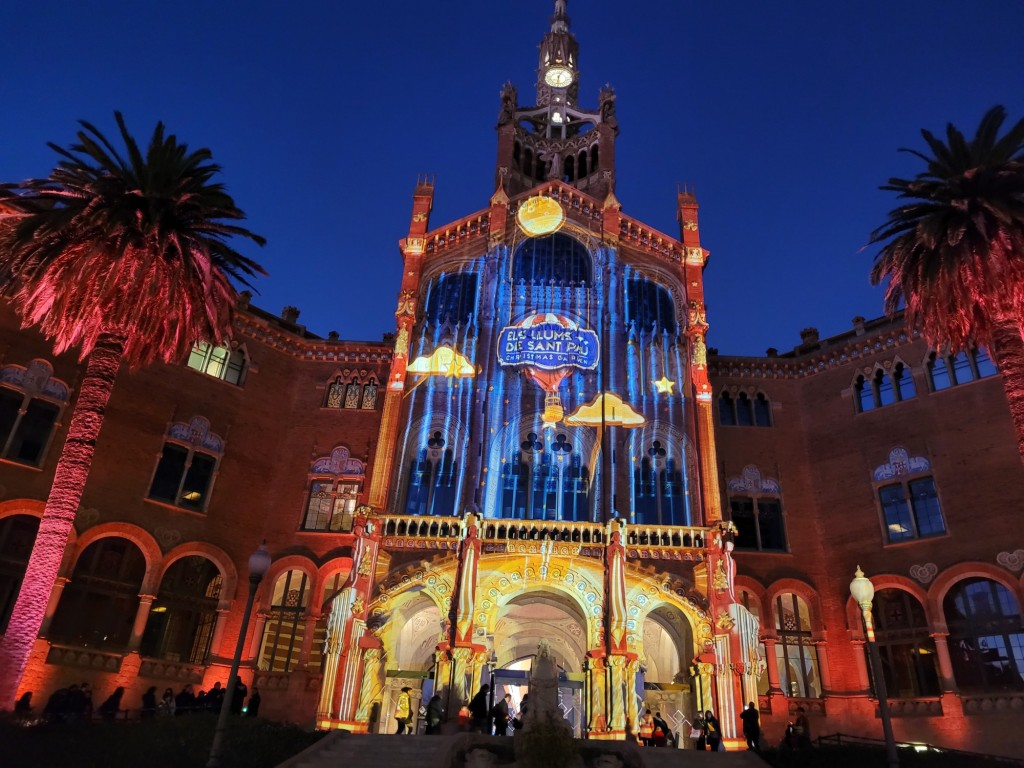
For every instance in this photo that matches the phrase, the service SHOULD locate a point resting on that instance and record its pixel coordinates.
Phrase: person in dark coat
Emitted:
(435, 715)
(149, 703)
(254, 703)
(699, 733)
(214, 698)
(751, 727)
(713, 730)
(110, 707)
(241, 691)
(662, 733)
(501, 714)
(23, 706)
(185, 701)
(478, 709)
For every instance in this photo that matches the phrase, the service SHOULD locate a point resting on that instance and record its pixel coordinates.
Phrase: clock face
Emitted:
(558, 77)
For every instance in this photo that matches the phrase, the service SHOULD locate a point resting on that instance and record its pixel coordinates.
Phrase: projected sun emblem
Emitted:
(538, 216)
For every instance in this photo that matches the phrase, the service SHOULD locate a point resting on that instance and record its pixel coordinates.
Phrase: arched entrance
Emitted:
(664, 684)
(522, 623)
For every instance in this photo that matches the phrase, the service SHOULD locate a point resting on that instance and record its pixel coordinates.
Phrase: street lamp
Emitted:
(259, 563)
(863, 592)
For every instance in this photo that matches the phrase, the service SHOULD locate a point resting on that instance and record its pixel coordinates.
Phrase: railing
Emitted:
(841, 739)
(85, 658)
(643, 541)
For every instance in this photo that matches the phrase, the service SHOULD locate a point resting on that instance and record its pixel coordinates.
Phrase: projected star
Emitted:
(663, 386)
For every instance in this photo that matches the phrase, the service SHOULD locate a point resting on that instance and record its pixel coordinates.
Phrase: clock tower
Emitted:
(556, 138)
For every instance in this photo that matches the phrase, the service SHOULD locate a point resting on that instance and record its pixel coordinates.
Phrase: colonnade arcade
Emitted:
(459, 607)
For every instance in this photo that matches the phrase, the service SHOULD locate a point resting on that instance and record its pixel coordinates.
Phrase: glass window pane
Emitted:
(744, 411)
(927, 511)
(168, 474)
(217, 361)
(896, 511)
(904, 383)
(319, 507)
(884, 384)
(236, 368)
(769, 523)
(962, 372)
(726, 414)
(335, 393)
(197, 481)
(743, 519)
(198, 356)
(352, 395)
(939, 373)
(33, 432)
(985, 365)
(10, 404)
(762, 411)
(865, 395)
(369, 397)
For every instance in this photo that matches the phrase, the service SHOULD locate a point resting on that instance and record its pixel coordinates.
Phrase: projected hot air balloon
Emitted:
(548, 347)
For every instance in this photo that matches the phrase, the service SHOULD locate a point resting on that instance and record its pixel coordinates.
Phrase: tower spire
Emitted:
(560, 21)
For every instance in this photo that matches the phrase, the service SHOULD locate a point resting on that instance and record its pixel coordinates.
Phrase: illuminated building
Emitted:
(545, 448)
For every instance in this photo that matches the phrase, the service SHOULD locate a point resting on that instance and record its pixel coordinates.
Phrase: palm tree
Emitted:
(954, 252)
(127, 260)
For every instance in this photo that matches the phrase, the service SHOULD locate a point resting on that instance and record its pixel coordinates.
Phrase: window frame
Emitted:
(348, 498)
(190, 451)
(756, 406)
(950, 366)
(884, 388)
(756, 512)
(800, 639)
(237, 358)
(904, 482)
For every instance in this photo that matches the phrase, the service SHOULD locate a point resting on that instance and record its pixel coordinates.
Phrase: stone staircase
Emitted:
(340, 749)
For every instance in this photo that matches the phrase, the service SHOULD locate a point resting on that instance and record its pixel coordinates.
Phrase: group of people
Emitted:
(475, 715)
(654, 731)
(74, 703)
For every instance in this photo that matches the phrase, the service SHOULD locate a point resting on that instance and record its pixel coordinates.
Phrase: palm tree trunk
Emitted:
(1008, 352)
(59, 516)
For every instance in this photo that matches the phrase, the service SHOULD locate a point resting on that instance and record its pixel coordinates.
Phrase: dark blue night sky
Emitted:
(785, 117)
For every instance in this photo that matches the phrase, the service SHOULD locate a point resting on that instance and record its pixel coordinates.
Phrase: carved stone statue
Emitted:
(508, 104)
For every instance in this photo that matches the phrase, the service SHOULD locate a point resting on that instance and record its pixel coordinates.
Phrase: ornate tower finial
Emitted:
(560, 21)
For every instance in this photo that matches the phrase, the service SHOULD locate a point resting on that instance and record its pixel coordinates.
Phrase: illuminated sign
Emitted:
(548, 342)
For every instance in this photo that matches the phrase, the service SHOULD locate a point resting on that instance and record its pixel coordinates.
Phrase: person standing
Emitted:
(713, 730)
(254, 703)
(646, 729)
(110, 707)
(241, 691)
(149, 703)
(662, 732)
(699, 733)
(501, 715)
(403, 710)
(751, 727)
(802, 729)
(478, 709)
(435, 715)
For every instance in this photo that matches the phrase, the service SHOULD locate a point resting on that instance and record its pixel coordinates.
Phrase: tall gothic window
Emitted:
(945, 370)
(905, 645)
(431, 487)
(31, 402)
(884, 388)
(744, 410)
(556, 258)
(352, 391)
(17, 535)
(285, 627)
(98, 606)
(649, 305)
(986, 636)
(545, 482)
(795, 652)
(659, 494)
(184, 614)
(219, 362)
(452, 299)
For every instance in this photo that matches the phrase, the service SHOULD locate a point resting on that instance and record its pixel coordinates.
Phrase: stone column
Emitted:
(823, 668)
(463, 676)
(597, 677)
(371, 686)
(256, 641)
(51, 605)
(218, 630)
(141, 617)
(860, 657)
(772, 664)
(329, 668)
(946, 677)
(308, 634)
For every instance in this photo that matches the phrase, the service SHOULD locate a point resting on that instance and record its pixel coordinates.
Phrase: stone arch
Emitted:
(945, 581)
(756, 590)
(805, 591)
(140, 537)
(854, 621)
(570, 640)
(283, 565)
(214, 554)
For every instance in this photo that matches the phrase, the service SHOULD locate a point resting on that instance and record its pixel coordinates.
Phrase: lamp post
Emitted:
(259, 563)
(863, 592)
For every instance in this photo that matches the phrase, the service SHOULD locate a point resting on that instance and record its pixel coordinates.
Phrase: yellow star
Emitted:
(663, 386)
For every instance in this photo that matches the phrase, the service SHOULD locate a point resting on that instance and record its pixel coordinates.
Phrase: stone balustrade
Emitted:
(159, 669)
(993, 703)
(84, 658)
(919, 707)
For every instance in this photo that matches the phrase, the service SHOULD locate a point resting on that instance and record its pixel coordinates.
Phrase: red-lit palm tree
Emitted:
(953, 254)
(127, 260)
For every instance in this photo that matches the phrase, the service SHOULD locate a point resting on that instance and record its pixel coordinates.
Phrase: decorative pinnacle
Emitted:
(560, 22)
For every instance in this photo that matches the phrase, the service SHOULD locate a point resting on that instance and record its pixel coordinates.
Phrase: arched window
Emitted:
(352, 390)
(568, 169)
(795, 652)
(726, 410)
(762, 411)
(908, 497)
(432, 479)
(183, 617)
(648, 305)
(904, 382)
(283, 632)
(865, 395)
(17, 535)
(593, 158)
(188, 464)
(330, 594)
(744, 410)
(905, 645)
(219, 362)
(884, 388)
(98, 606)
(452, 298)
(31, 402)
(582, 164)
(558, 258)
(659, 496)
(335, 483)
(986, 636)
(545, 481)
